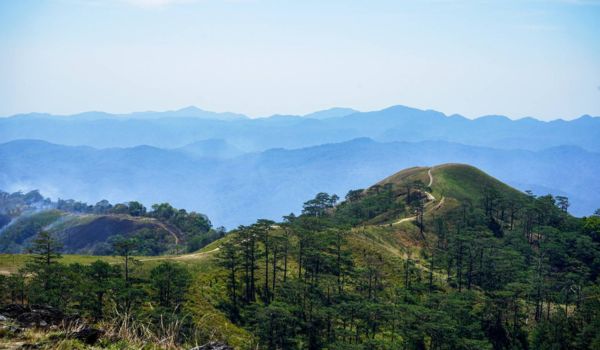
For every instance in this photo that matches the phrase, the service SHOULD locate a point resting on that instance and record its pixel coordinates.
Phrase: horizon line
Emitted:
(249, 117)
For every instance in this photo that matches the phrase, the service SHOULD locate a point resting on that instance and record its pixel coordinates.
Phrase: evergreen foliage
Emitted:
(493, 269)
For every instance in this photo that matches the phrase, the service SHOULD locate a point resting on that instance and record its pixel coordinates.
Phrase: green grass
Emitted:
(11, 263)
(407, 175)
(467, 183)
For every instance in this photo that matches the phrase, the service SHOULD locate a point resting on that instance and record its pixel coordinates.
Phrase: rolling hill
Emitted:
(442, 189)
(97, 229)
(272, 183)
(87, 233)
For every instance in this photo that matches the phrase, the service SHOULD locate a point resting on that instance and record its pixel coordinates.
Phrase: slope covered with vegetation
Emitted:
(429, 258)
(92, 229)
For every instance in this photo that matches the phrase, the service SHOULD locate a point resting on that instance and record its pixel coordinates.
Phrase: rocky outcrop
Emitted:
(33, 315)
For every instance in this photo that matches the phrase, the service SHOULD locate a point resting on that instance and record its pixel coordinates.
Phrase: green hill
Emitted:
(83, 228)
(468, 184)
(89, 233)
(445, 257)
(462, 182)
(440, 189)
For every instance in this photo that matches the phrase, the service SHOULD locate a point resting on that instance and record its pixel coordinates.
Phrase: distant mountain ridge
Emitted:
(236, 169)
(335, 112)
(398, 123)
(186, 112)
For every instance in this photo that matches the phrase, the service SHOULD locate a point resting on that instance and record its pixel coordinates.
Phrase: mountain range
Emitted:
(398, 123)
(235, 169)
(236, 190)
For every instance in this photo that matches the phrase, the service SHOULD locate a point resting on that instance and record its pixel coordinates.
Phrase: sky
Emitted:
(262, 57)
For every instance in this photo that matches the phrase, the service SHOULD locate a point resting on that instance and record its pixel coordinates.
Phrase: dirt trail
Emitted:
(411, 218)
(430, 177)
(439, 205)
(430, 198)
(190, 256)
(170, 230)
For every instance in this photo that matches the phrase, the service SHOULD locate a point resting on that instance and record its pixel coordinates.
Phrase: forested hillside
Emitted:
(445, 257)
(82, 228)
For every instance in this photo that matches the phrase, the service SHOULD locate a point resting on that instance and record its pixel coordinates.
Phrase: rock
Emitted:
(3, 318)
(29, 318)
(35, 315)
(14, 310)
(88, 335)
(213, 345)
(48, 313)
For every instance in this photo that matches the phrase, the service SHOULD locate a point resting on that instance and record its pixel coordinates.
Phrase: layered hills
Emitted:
(174, 129)
(234, 190)
(225, 164)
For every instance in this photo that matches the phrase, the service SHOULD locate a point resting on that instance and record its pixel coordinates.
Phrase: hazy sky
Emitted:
(518, 58)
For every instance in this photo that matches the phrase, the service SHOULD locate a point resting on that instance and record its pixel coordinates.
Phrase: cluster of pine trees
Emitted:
(501, 274)
(133, 303)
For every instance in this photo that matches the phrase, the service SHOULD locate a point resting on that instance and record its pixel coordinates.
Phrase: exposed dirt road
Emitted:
(430, 198)
(191, 256)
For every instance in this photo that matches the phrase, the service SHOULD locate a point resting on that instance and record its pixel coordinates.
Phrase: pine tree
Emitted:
(43, 265)
(169, 282)
(229, 259)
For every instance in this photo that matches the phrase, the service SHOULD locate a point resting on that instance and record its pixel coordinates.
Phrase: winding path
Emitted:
(410, 218)
(171, 229)
(174, 231)
(430, 177)
(430, 197)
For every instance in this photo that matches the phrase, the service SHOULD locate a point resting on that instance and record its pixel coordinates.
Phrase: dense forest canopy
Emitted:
(430, 258)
